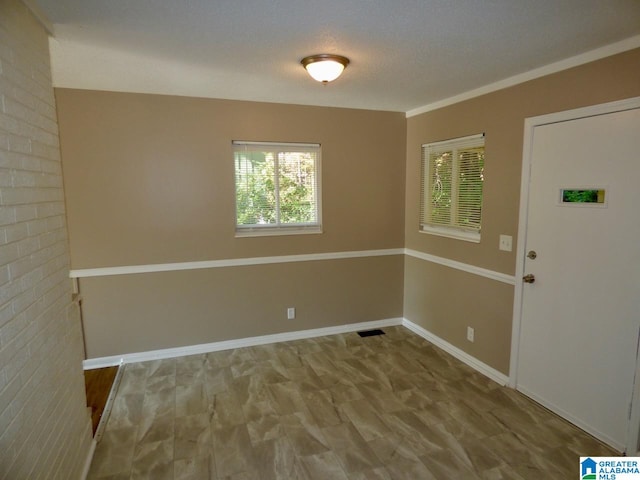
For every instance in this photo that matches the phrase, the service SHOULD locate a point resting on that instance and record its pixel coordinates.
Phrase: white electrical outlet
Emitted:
(470, 333)
(505, 243)
(291, 313)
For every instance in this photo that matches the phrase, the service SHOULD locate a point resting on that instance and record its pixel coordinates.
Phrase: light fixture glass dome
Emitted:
(325, 67)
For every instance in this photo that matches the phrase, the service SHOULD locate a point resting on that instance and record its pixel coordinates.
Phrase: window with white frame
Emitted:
(277, 188)
(451, 188)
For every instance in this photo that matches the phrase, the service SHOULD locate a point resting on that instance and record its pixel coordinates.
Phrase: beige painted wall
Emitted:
(45, 428)
(137, 313)
(500, 115)
(487, 307)
(149, 179)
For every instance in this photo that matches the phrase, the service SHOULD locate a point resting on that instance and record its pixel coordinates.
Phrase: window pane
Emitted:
(470, 182)
(255, 188)
(441, 170)
(277, 188)
(297, 187)
(451, 187)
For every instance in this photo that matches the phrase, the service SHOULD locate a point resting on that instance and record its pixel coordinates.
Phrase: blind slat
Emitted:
(451, 183)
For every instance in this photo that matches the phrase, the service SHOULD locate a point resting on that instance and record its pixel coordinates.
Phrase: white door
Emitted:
(580, 318)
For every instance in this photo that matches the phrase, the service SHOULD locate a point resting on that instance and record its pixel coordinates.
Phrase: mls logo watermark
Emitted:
(609, 468)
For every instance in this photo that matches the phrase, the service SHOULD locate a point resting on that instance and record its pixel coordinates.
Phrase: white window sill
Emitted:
(277, 231)
(451, 232)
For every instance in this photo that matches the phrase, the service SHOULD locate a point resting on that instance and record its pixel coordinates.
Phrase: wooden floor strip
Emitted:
(109, 405)
(98, 383)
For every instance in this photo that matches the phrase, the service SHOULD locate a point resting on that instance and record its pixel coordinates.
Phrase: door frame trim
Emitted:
(527, 152)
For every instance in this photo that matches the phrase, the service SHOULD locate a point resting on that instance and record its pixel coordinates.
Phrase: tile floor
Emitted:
(336, 407)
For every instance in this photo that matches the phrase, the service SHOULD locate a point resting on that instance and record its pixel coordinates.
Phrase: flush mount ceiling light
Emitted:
(324, 67)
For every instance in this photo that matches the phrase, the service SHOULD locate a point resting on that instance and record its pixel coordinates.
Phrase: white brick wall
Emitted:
(45, 430)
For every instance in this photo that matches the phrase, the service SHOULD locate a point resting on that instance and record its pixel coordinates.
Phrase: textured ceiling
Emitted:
(405, 54)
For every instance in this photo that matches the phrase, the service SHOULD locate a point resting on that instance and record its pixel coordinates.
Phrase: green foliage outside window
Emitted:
(264, 197)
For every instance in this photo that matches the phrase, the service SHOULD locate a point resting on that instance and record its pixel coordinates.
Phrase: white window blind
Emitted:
(277, 188)
(451, 187)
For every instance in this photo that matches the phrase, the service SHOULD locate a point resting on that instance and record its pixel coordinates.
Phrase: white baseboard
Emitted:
(239, 343)
(464, 357)
(88, 460)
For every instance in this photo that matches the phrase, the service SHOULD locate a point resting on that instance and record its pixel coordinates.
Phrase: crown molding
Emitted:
(583, 58)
